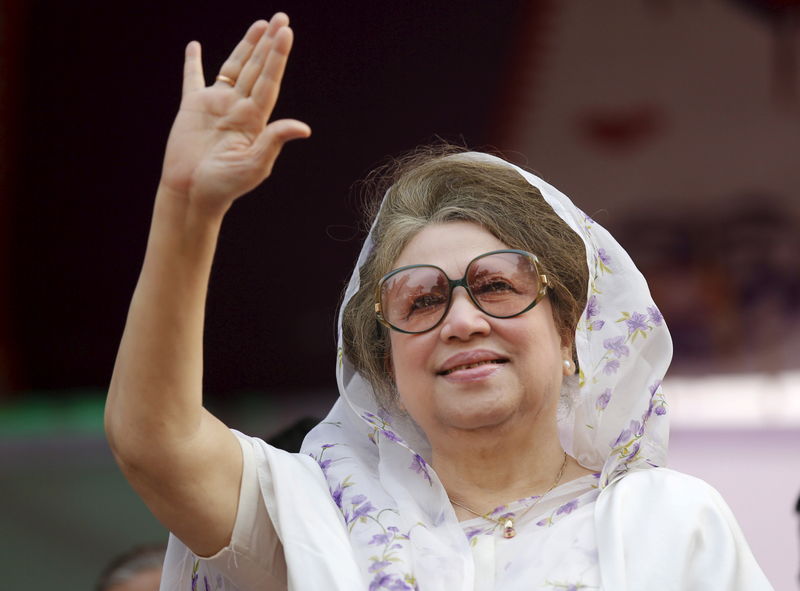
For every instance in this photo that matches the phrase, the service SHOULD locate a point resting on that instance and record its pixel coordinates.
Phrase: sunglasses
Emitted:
(501, 283)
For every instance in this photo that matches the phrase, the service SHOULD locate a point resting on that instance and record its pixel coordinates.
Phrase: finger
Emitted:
(255, 64)
(232, 67)
(278, 20)
(268, 145)
(193, 69)
(265, 90)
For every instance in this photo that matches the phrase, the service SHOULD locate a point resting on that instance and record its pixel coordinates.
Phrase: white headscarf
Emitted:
(376, 463)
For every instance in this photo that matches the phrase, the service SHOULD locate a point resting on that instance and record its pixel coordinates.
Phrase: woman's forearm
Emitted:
(156, 389)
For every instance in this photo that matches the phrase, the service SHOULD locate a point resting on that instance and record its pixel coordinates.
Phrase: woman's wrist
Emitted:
(188, 216)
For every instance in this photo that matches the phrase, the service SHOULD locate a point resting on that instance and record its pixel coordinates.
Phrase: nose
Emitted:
(463, 320)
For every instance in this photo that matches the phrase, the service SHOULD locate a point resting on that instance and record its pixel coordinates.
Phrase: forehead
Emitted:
(450, 246)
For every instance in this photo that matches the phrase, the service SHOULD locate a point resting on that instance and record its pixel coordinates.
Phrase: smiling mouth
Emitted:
(471, 365)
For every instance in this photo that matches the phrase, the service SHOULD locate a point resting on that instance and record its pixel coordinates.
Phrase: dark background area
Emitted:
(96, 89)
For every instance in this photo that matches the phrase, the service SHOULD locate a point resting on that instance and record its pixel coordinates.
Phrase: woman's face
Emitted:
(521, 359)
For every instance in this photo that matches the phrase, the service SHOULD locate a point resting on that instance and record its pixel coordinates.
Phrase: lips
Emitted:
(469, 360)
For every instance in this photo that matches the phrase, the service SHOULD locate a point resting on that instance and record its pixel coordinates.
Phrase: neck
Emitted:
(485, 468)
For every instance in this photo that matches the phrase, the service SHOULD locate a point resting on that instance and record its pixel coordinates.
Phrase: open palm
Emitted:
(221, 144)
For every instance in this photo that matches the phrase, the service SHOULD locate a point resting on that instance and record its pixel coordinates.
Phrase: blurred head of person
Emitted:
(139, 569)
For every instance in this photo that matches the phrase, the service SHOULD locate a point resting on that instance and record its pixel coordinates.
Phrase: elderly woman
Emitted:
(501, 423)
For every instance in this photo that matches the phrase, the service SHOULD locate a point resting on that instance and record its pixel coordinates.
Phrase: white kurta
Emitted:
(653, 529)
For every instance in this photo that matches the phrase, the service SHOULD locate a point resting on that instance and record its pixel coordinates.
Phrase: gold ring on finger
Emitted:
(226, 79)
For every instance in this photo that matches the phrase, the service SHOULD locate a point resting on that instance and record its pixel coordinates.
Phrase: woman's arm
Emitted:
(185, 463)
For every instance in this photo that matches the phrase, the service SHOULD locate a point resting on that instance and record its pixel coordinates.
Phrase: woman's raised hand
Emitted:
(222, 144)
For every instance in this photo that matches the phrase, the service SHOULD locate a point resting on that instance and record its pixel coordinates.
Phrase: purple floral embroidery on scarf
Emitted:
(381, 581)
(562, 511)
(324, 463)
(627, 444)
(381, 425)
(654, 315)
(633, 452)
(420, 466)
(361, 508)
(336, 495)
(605, 397)
(381, 539)
(386, 580)
(596, 325)
(636, 323)
(567, 508)
(638, 428)
(633, 429)
(196, 579)
(592, 309)
(611, 367)
(657, 402)
(617, 346)
(602, 261)
(640, 324)
(499, 509)
(390, 435)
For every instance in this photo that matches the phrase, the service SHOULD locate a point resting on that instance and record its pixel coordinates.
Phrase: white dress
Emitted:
(360, 507)
(655, 529)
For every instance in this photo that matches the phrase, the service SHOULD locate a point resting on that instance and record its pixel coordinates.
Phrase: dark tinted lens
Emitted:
(504, 284)
(414, 299)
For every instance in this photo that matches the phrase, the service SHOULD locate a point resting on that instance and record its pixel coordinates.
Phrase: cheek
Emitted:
(409, 355)
(400, 361)
(542, 347)
(405, 375)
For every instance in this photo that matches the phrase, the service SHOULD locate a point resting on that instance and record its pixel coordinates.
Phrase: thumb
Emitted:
(269, 144)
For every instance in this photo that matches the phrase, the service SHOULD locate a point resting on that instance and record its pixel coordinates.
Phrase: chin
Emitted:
(473, 417)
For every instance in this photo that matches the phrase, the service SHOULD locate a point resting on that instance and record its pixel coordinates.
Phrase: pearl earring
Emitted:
(568, 364)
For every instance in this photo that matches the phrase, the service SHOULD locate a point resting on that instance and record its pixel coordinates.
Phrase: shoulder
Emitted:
(665, 487)
(660, 525)
(684, 504)
(662, 482)
(690, 509)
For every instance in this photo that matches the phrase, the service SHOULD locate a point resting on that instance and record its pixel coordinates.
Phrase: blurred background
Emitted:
(674, 123)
